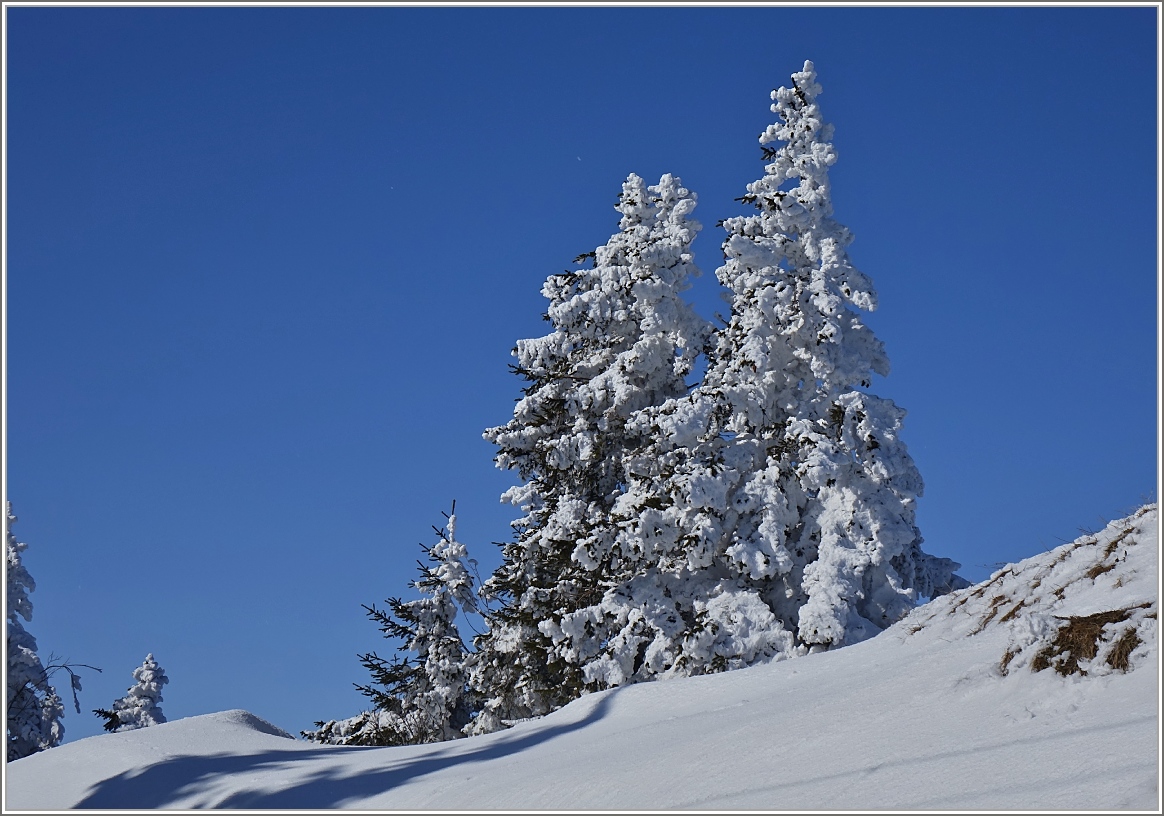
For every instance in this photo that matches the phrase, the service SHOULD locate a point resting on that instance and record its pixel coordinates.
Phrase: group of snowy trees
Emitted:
(668, 529)
(33, 707)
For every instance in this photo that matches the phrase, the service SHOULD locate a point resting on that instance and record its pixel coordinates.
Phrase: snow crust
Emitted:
(922, 716)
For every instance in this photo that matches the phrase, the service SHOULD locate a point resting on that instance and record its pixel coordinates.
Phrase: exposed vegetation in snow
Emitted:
(1086, 608)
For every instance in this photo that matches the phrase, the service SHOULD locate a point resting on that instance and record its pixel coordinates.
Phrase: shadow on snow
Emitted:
(164, 783)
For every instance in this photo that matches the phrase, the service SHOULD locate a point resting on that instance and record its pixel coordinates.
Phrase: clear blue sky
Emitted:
(265, 267)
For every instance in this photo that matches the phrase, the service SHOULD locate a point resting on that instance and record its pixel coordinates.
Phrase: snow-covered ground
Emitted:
(942, 711)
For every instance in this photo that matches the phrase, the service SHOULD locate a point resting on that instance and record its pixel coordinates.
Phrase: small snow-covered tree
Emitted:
(34, 710)
(141, 706)
(623, 340)
(420, 695)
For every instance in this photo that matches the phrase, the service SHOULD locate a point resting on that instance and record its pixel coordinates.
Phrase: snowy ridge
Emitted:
(1087, 608)
(928, 715)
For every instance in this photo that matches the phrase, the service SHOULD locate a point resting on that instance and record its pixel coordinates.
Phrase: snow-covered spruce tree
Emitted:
(824, 514)
(420, 695)
(33, 706)
(141, 706)
(623, 340)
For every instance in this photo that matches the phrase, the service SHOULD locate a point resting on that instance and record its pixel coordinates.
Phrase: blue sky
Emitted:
(265, 267)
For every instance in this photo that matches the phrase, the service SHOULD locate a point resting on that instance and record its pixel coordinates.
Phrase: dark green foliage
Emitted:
(112, 721)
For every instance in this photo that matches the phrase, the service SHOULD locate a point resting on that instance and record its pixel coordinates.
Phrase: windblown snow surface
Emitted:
(1035, 690)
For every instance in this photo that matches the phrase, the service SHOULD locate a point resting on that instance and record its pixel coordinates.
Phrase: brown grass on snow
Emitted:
(1079, 639)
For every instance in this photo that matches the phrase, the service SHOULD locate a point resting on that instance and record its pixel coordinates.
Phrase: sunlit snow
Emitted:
(942, 711)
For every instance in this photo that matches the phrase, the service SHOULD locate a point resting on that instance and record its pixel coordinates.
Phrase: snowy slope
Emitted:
(942, 711)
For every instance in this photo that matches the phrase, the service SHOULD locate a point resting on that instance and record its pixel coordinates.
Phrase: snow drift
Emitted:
(1036, 689)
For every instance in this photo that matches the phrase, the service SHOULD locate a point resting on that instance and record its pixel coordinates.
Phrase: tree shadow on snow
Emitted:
(162, 784)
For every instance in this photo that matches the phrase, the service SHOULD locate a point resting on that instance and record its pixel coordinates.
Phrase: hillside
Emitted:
(1036, 689)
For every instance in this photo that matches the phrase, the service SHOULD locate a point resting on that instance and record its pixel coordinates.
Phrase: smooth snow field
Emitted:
(942, 711)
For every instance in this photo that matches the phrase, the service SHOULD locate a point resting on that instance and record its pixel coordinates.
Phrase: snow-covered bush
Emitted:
(141, 706)
(33, 707)
(369, 728)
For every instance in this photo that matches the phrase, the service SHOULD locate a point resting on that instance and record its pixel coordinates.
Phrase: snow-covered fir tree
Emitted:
(34, 709)
(623, 340)
(141, 706)
(823, 504)
(420, 695)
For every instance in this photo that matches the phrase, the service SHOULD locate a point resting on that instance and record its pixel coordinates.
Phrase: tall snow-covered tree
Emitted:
(141, 705)
(420, 695)
(825, 508)
(34, 709)
(623, 340)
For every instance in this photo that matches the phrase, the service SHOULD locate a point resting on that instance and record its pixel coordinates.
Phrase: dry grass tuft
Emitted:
(1099, 569)
(1006, 658)
(1117, 658)
(1075, 545)
(1078, 641)
(1115, 542)
(995, 602)
(1013, 612)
